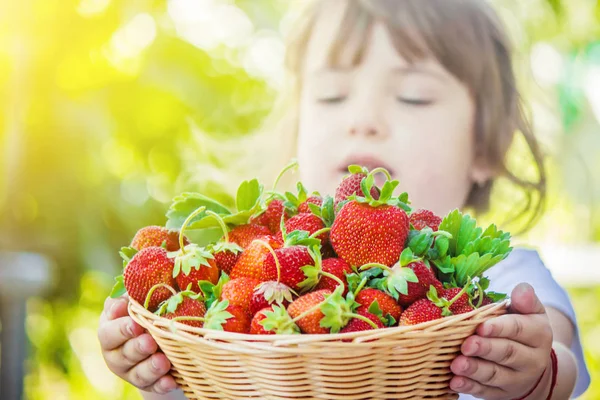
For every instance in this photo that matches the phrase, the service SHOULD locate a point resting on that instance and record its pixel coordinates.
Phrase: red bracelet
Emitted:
(554, 377)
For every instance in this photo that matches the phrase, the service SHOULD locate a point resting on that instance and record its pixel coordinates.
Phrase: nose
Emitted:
(368, 124)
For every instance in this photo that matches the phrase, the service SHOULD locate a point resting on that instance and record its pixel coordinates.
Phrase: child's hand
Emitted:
(507, 356)
(130, 352)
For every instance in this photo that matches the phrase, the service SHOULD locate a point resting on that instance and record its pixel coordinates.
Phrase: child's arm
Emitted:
(130, 352)
(510, 353)
(176, 395)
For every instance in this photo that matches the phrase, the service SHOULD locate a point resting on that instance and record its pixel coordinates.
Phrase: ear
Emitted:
(481, 172)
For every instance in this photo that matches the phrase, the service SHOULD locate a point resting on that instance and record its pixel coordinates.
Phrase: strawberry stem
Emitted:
(307, 312)
(268, 247)
(462, 291)
(481, 294)
(291, 165)
(383, 171)
(319, 232)
(221, 223)
(335, 278)
(361, 285)
(185, 224)
(151, 292)
(362, 318)
(375, 265)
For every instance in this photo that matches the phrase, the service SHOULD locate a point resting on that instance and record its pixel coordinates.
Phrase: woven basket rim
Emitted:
(289, 339)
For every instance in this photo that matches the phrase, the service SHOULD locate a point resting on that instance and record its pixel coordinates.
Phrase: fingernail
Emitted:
(113, 309)
(473, 349)
(458, 383)
(153, 362)
(465, 366)
(486, 330)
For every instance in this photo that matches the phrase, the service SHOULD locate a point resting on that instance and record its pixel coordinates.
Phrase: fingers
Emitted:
(530, 330)
(468, 386)
(524, 300)
(147, 374)
(114, 308)
(505, 352)
(114, 333)
(163, 385)
(131, 353)
(492, 374)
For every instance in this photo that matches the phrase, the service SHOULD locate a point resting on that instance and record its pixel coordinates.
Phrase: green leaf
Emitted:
(279, 321)
(406, 257)
(204, 237)
(441, 245)
(484, 283)
(496, 297)
(216, 315)
(420, 241)
(388, 189)
(327, 211)
(186, 203)
(313, 275)
(211, 292)
(315, 209)
(366, 184)
(248, 195)
(118, 289)
(356, 169)
(127, 254)
(336, 311)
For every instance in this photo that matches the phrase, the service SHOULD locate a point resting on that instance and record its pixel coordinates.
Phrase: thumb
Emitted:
(524, 300)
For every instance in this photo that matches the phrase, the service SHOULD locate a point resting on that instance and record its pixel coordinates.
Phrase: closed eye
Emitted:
(331, 99)
(414, 101)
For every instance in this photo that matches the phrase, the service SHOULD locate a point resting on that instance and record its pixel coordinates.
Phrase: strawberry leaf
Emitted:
(315, 209)
(248, 195)
(388, 190)
(217, 315)
(327, 211)
(441, 245)
(337, 310)
(357, 169)
(406, 257)
(194, 257)
(127, 254)
(496, 297)
(313, 275)
(279, 321)
(420, 241)
(186, 203)
(397, 280)
(118, 289)
(224, 246)
(211, 292)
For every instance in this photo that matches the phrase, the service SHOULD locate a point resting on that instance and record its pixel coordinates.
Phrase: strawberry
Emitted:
(156, 236)
(304, 206)
(291, 260)
(307, 304)
(460, 299)
(256, 328)
(271, 217)
(425, 218)
(422, 310)
(273, 320)
(307, 222)
(356, 324)
(386, 303)
(185, 306)
(366, 230)
(149, 267)
(465, 308)
(418, 290)
(239, 322)
(225, 260)
(239, 292)
(243, 235)
(270, 292)
(250, 263)
(336, 267)
(196, 264)
(351, 185)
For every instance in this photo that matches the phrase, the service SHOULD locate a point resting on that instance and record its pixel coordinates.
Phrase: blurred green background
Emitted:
(111, 107)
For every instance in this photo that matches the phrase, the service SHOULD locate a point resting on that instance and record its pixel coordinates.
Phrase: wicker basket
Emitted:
(411, 362)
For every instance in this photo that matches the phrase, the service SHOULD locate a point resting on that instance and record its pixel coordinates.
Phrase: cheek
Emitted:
(435, 157)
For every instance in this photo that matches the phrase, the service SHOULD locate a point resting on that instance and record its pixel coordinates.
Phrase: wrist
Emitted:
(544, 386)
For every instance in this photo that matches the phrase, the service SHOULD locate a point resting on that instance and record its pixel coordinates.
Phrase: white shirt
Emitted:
(524, 265)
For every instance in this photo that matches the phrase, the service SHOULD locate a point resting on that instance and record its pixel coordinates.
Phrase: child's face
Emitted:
(416, 120)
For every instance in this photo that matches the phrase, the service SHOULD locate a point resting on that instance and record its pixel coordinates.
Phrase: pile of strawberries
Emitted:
(286, 263)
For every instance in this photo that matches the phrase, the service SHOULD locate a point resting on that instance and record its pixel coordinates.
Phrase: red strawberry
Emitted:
(149, 267)
(465, 308)
(256, 327)
(203, 273)
(270, 292)
(363, 234)
(156, 236)
(387, 304)
(418, 290)
(425, 218)
(304, 208)
(271, 218)
(225, 260)
(188, 307)
(351, 185)
(420, 311)
(356, 325)
(311, 322)
(243, 235)
(307, 222)
(486, 300)
(291, 259)
(239, 292)
(239, 322)
(337, 267)
(461, 303)
(250, 263)
(327, 251)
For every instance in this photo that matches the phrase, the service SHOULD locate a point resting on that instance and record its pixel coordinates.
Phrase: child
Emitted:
(424, 88)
